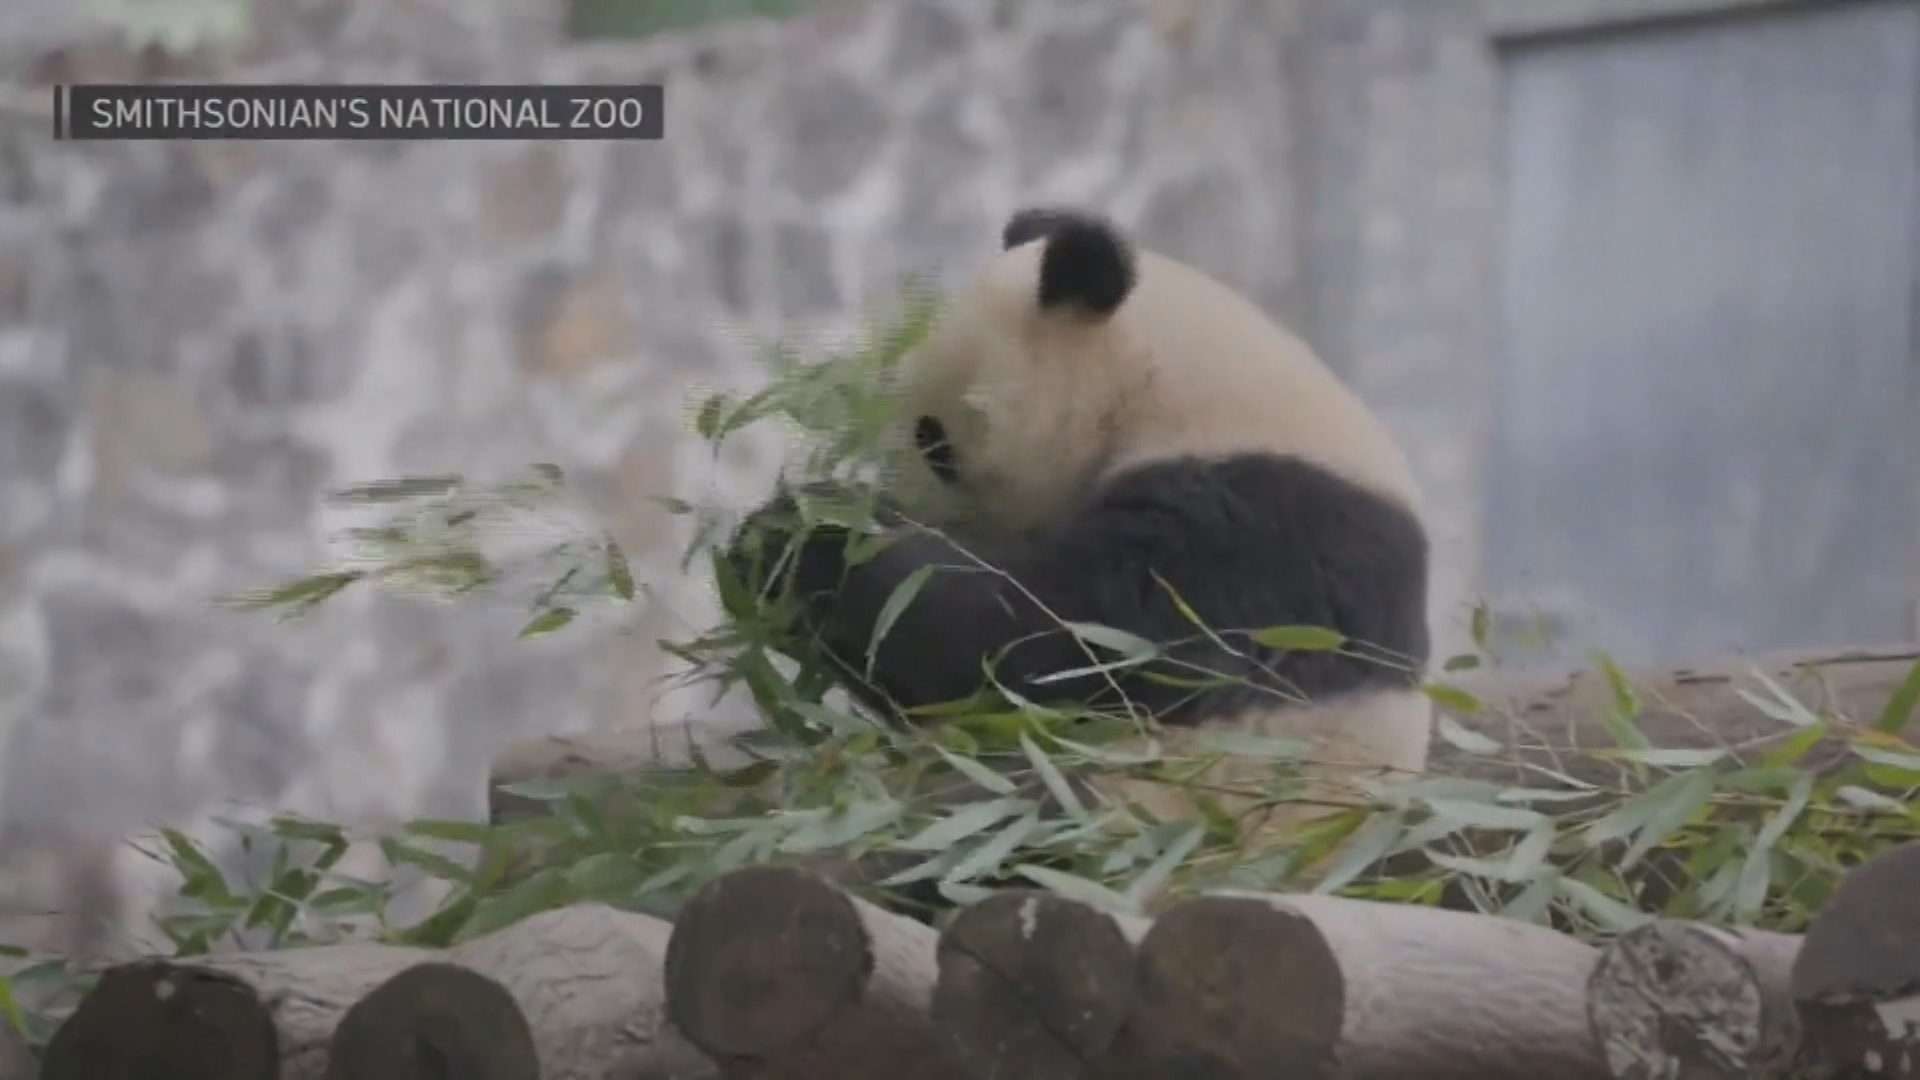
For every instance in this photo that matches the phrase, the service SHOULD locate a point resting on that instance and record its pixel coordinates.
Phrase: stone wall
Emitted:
(197, 340)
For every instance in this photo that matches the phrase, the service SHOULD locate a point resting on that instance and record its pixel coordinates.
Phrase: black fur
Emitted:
(1036, 222)
(930, 436)
(1087, 263)
(1248, 543)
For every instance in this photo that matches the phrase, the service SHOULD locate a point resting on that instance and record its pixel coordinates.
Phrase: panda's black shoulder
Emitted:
(1254, 540)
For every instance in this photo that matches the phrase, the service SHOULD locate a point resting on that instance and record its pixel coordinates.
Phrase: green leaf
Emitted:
(547, 622)
(399, 490)
(1529, 856)
(896, 606)
(301, 594)
(962, 824)
(1603, 909)
(1115, 641)
(1464, 740)
(1625, 708)
(1484, 815)
(1679, 758)
(1632, 816)
(1533, 795)
(1091, 893)
(1133, 651)
(1871, 801)
(976, 772)
(1535, 901)
(543, 891)
(1796, 746)
(348, 901)
(1905, 763)
(1300, 638)
(192, 863)
(857, 821)
(1784, 706)
(1367, 846)
(606, 876)
(619, 574)
(963, 895)
(931, 869)
(11, 1007)
(1899, 708)
(1761, 780)
(1677, 806)
(1050, 775)
(439, 866)
(292, 828)
(438, 930)
(988, 856)
(1171, 857)
(1756, 871)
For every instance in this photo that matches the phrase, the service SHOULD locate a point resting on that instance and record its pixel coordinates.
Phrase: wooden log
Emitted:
(1857, 978)
(592, 982)
(586, 978)
(667, 749)
(154, 1018)
(434, 1020)
(1312, 987)
(1685, 999)
(1557, 722)
(1034, 984)
(780, 973)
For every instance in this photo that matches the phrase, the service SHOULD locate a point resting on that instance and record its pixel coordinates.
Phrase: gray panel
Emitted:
(1706, 433)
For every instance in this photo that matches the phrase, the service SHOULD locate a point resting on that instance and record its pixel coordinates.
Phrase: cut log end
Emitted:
(1236, 986)
(157, 1018)
(1857, 978)
(1683, 999)
(777, 971)
(1036, 984)
(762, 958)
(434, 1020)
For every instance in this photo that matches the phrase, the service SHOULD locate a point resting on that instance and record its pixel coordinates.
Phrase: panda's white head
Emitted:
(1072, 355)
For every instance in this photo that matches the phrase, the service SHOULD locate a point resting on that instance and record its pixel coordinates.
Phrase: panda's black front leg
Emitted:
(967, 611)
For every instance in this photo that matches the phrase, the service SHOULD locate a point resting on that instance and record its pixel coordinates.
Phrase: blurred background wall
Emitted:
(1633, 279)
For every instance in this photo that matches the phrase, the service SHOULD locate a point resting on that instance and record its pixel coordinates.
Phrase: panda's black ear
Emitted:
(1087, 264)
(1032, 224)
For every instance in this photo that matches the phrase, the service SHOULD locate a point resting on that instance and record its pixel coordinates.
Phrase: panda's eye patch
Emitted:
(930, 435)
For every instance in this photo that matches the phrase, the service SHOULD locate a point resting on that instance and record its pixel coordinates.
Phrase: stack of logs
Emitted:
(777, 972)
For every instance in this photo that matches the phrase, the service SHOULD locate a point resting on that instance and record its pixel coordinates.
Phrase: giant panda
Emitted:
(1096, 428)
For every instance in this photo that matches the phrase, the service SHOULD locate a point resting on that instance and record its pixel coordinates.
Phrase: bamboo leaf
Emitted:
(963, 824)
(1899, 708)
(1300, 638)
(896, 606)
(1368, 845)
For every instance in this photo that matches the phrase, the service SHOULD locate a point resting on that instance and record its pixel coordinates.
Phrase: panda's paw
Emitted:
(762, 554)
(755, 553)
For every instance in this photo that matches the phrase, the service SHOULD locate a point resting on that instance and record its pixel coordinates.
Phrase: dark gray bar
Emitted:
(236, 111)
